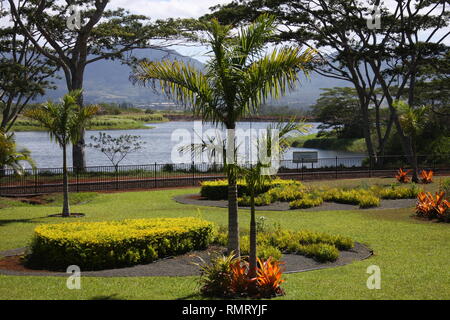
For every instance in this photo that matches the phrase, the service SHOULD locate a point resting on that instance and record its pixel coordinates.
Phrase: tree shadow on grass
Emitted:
(107, 297)
(191, 296)
(4, 222)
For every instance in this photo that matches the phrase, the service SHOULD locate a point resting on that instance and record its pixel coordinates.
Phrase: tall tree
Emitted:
(237, 79)
(24, 73)
(338, 109)
(355, 50)
(63, 122)
(101, 34)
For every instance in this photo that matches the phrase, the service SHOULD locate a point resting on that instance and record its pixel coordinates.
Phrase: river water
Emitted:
(160, 143)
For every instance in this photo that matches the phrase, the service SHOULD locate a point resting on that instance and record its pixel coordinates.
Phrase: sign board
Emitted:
(305, 157)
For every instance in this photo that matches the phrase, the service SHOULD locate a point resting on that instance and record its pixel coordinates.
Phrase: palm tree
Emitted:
(237, 79)
(64, 122)
(412, 121)
(256, 176)
(11, 157)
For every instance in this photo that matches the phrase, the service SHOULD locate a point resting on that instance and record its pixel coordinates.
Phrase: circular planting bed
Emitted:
(115, 244)
(196, 199)
(182, 265)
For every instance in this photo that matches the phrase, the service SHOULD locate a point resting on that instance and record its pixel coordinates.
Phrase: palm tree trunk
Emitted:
(252, 257)
(233, 222)
(66, 208)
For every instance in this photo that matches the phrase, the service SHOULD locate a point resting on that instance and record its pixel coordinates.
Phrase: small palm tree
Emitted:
(238, 78)
(412, 121)
(64, 122)
(11, 157)
(256, 176)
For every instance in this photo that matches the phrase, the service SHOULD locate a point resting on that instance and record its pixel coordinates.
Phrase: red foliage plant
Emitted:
(241, 283)
(426, 176)
(402, 176)
(429, 206)
(266, 284)
(269, 278)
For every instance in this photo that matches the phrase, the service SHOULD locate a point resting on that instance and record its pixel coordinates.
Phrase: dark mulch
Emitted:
(178, 266)
(195, 199)
(72, 215)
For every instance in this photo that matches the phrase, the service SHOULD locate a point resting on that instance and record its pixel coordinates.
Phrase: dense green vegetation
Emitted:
(300, 196)
(329, 143)
(398, 104)
(115, 244)
(401, 244)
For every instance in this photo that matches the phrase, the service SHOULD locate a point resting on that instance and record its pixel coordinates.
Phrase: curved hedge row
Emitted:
(114, 244)
(218, 190)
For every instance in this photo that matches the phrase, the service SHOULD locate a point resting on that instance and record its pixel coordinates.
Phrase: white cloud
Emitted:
(162, 9)
(168, 8)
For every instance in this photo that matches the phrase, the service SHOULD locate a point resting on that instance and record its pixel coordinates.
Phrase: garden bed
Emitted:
(114, 244)
(196, 199)
(177, 266)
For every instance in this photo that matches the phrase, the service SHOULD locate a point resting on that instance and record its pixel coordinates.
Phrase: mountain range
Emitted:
(108, 81)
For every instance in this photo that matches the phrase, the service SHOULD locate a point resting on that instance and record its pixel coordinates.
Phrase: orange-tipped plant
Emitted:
(426, 176)
(402, 176)
(269, 277)
(228, 276)
(430, 206)
(241, 284)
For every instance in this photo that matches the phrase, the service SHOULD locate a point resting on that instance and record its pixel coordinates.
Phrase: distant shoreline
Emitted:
(183, 117)
(138, 122)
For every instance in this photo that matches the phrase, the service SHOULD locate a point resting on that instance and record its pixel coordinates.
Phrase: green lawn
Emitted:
(413, 255)
(102, 122)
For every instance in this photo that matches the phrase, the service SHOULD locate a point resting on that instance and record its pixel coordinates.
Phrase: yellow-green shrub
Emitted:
(398, 192)
(113, 244)
(306, 202)
(262, 200)
(321, 252)
(362, 197)
(218, 190)
(287, 193)
(319, 246)
(263, 251)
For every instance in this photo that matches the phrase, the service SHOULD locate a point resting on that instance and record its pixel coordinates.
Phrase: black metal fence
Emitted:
(151, 176)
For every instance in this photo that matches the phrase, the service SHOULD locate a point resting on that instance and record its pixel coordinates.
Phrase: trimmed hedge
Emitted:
(114, 244)
(218, 190)
(306, 202)
(262, 200)
(399, 192)
(363, 198)
(287, 193)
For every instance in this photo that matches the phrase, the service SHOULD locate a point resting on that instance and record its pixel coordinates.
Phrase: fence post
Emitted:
(193, 173)
(76, 179)
(336, 167)
(154, 175)
(35, 180)
(302, 170)
(116, 171)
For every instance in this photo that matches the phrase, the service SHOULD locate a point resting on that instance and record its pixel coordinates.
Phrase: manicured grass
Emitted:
(412, 254)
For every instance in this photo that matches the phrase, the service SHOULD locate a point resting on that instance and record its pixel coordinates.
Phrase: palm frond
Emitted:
(274, 75)
(181, 82)
(253, 38)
